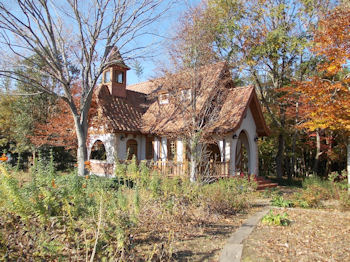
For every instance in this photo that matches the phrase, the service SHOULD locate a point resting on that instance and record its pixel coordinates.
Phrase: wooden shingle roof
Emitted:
(140, 112)
(120, 114)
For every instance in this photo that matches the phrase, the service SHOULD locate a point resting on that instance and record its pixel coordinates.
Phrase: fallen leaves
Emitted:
(314, 235)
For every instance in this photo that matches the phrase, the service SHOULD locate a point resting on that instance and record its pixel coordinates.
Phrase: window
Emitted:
(163, 99)
(131, 149)
(107, 77)
(119, 77)
(171, 146)
(98, 151)
(149, 148)
(186, 94)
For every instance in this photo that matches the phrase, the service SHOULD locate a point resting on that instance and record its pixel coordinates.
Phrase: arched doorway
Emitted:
(98, 151)
(242, 154)
(131, 149)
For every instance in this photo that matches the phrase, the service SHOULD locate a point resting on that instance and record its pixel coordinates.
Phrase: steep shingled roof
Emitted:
(173, 118)
(120, 114)
(137, 113)
(115, 58)
(232, 113)
(146, 87)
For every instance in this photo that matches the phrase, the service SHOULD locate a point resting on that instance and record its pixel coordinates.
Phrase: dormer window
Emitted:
(107, 77)
(119, 77)
(186, 94)
(163, 99)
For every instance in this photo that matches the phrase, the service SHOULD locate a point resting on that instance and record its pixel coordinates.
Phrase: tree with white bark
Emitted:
(73, 40)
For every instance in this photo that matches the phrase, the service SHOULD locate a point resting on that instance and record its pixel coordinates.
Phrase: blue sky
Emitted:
(164, 28)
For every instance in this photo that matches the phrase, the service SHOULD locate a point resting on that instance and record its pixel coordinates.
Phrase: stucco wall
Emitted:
(122, 139)
(109, 141)
(248, 125)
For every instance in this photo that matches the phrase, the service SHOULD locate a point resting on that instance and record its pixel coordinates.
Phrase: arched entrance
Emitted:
(98, 151)
(242, 154)
(131, 149)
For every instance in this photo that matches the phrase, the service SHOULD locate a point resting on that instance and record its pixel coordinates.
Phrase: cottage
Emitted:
(151, 120)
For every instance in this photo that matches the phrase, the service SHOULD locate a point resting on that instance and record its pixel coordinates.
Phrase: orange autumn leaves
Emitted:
(3, 158)
(325, 98)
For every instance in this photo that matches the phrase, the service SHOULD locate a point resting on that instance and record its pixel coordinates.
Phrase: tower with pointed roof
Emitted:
(114, 76)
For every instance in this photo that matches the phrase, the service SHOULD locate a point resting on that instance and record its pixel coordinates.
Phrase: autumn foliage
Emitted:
(59, 129)
(325, 98)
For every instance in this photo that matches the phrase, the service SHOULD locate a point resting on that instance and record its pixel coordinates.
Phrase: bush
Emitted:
(71, 207)
(315, 190)
(279, 201)
(276, 219)
(227, 196)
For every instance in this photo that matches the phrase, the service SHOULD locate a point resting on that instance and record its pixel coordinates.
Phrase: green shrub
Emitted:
(279, 201)
(314, 191)
(276, 219)
(227, 196)
(324, 189)
(73, 205)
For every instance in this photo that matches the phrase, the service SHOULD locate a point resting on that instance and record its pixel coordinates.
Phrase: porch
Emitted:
(167, 168)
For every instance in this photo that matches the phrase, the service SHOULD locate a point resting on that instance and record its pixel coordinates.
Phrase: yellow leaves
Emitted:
(251, 62)
(332, 69)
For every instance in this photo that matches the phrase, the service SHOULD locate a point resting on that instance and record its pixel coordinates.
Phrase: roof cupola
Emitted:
(114, 76)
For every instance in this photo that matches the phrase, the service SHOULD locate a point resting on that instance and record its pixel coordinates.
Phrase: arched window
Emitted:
(98, 151)
(131, 148)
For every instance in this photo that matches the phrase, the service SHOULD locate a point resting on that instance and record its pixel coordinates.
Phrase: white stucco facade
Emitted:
(248, 126)
(116, 146)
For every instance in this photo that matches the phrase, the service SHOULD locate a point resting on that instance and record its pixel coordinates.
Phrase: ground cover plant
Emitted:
(136, 215)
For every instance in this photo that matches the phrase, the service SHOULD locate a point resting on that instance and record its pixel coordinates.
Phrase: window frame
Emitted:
(117, 73)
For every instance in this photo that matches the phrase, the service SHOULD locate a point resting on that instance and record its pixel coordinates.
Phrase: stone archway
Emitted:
(131, 149)
(242, 158)
(98, 151)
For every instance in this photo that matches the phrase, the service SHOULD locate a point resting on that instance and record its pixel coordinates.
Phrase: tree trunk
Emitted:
(193, 159)
(193, 168)
(279, 156)
(318, 152)
(294, 165)
(81, 130)
(348, 163)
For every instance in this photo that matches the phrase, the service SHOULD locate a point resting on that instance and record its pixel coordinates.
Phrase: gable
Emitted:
(235, 108)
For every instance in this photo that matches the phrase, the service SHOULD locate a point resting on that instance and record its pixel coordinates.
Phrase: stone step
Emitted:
(264, 186)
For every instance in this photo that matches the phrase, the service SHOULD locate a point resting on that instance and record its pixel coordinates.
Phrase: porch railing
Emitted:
(167, 168)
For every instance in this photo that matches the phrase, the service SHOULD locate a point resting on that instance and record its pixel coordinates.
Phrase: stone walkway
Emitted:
(232, 251)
